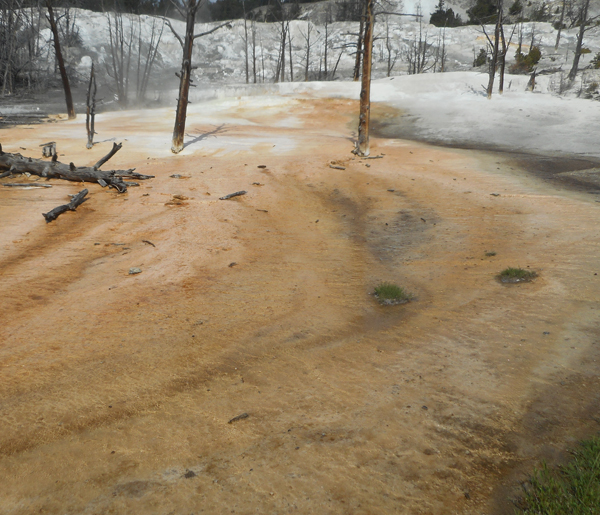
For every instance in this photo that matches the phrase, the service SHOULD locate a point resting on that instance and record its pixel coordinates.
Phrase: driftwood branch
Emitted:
(76, 201)
(16, 163)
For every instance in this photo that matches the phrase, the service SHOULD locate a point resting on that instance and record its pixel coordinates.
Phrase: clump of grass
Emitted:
(572, 489)
(516, 275)
(491, 253)
(389, 293)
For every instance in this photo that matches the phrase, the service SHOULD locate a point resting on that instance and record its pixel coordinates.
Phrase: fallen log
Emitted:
(16, 163)
(76, 201)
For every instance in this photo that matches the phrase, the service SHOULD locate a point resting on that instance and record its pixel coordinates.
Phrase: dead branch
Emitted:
(231, 195)
(76, 201)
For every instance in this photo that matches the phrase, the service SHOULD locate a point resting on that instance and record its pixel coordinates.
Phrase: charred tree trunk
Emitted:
(61, 62)
(16, 163)
(91, 109)
(365, 93)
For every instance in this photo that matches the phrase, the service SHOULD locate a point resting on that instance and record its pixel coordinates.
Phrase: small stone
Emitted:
(546, 332)
(189, 474)
(424, 407)
(135, 270)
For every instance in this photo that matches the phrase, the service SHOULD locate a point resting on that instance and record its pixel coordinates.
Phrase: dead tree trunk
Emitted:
(582, 28)
(16, 163)
(495, 47)
(359, 43)
(61, 62)
(91, 109)
(560, 24)
(185, 74)
(365, 93)
(502, 61)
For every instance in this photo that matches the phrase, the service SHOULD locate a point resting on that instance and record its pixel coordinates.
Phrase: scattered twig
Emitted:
(148, 242)
(71, 206)
(336, 167)
(231, 195)
(239, 417)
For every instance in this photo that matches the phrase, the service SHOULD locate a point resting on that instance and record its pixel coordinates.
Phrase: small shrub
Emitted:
(491, 253)
(389, 293)
(525, 63)
(596, 61)
(516, 275)
(585, 50)
(481, 58)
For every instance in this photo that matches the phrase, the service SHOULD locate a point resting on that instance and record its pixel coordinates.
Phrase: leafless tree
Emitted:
(392, 52)
(121, 43)
(420, 53)
(147, 56)
(90, 118)
(61, 63)
(188, 10)
(560, 23)
(586, 22)
(309, 43)
(359, 44)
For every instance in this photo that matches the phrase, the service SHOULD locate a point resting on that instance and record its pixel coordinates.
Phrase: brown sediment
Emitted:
(117, 389)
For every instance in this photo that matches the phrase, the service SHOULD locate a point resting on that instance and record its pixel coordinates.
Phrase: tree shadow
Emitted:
(204, 135)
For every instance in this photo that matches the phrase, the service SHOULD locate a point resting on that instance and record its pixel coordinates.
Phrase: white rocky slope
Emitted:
(220, 57)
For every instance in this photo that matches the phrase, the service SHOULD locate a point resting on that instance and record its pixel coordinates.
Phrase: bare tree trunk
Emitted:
(253, 26)
(61, 63)
(185, 76)
(502, 61)
(246, 42)
(359, 43)
(494, 62)
(365, 93)
(326, 44)
(307, 37)
(582, 28)
(560, 24)
(290, 52)
(91, 109)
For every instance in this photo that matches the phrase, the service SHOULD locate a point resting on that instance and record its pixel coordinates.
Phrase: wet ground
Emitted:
(118, 389)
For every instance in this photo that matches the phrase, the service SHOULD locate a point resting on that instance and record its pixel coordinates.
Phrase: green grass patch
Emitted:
(389, 293)
(516, 275)
(572, 489)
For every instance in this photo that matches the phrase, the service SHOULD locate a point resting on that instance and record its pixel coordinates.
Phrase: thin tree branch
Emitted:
(227, 24)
